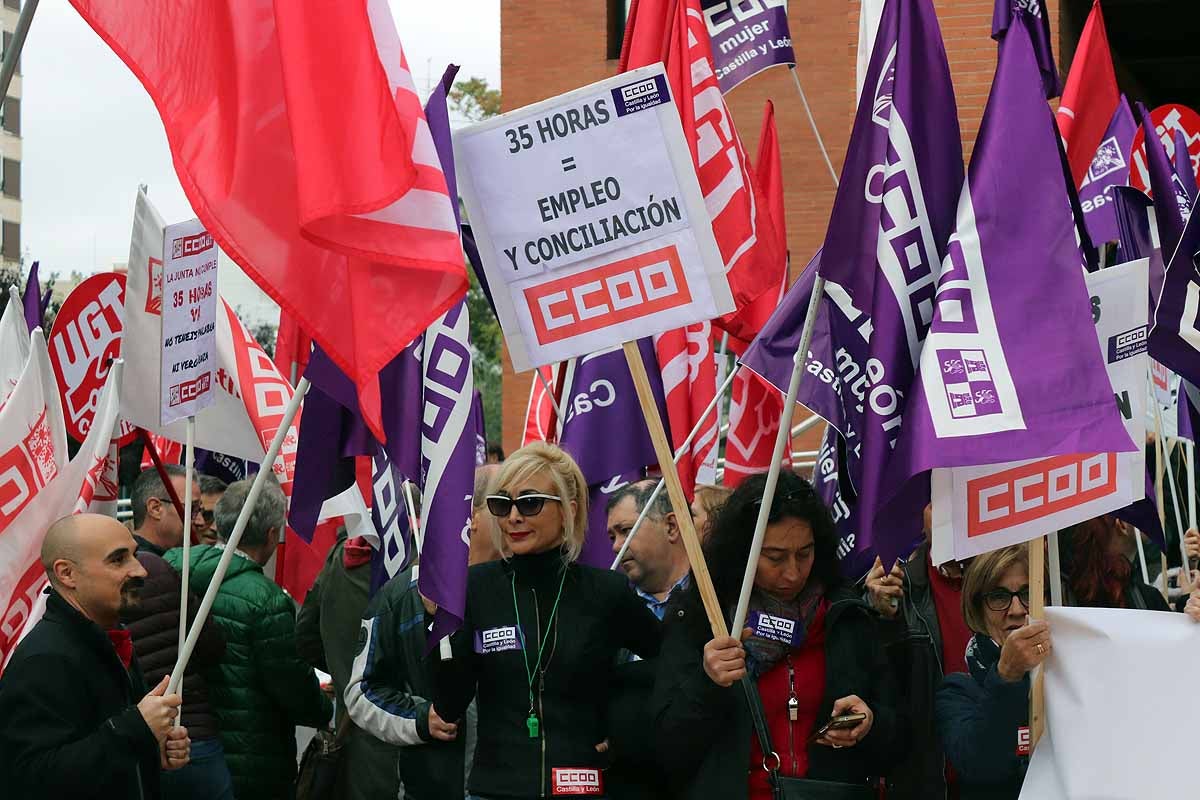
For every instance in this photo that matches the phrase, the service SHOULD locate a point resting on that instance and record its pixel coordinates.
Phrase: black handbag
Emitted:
(320, 764)
(786, 788)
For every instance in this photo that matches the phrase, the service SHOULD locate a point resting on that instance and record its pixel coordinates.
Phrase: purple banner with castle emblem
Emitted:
(892, 217)
(1011, 368)
(747, 36)
(1110, 167)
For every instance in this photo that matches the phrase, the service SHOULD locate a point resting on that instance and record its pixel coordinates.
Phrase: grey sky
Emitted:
(91, 134)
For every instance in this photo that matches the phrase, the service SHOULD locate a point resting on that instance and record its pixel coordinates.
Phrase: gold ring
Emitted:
(1040, 649)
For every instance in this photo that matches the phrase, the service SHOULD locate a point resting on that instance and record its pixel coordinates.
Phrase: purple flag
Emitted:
(770, 354)
(892, 217)
(1110, 167)
(1175, 335)
(1169, 206)
(597, 550)
(396, 548)
(225, 467)
(1033, 14)
(1185, 177)
(1183, 410)
(1138, 235)
(1012, 323)
(33, 300)
(604, 430)
(1143, 514)
(747, 38)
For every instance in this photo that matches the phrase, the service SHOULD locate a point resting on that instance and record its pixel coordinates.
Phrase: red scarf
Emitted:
(122, 643)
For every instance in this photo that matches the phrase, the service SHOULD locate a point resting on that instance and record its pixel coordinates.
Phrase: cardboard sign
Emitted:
(1167, 119)
(85, 340)
(982, 508)
(590, 221)
(747, 36)
(189, 320)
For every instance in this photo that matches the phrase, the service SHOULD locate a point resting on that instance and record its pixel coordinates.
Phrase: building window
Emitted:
(12, 115)
(10, 248)
(11, 186)
(8, 37)
(15, 5)
(618, 15)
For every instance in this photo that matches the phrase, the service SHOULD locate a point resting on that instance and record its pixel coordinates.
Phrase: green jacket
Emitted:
(261, 689)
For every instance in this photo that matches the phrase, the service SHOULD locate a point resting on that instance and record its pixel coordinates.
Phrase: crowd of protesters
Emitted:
(564, 679)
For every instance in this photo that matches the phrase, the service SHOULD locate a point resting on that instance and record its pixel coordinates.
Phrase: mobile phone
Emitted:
(839, 723)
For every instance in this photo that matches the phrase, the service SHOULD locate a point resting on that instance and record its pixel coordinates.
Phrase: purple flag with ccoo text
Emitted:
(1012, 326)
(747, 38)
(1037, 22)
(892, 217)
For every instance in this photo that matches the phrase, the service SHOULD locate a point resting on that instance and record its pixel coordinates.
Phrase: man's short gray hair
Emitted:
(640, 491)
(269, 512)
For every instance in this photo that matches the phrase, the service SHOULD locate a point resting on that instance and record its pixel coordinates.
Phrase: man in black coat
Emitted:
(78, 722)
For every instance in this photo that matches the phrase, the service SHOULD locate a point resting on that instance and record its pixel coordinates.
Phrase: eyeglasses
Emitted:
(528, 505)
(1000, 599)
(208, 515)
(195, 508)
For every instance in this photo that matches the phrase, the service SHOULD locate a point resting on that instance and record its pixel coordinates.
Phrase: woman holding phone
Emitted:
(539, 640)
(802, 705)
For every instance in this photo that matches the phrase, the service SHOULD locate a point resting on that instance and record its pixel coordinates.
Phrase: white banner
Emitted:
(227, 427)
(590, 220)
(1110, 678)
(982, 508)
(38, 486)
(189, 320)
(14, 345)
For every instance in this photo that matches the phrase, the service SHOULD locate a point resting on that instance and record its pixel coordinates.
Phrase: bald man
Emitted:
(78, 722)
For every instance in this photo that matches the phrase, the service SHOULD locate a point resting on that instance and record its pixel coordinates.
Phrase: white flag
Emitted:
(14, 345)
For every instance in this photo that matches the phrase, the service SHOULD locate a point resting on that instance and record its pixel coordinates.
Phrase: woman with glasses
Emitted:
(983, 716)
(735, 718)
(539, 640)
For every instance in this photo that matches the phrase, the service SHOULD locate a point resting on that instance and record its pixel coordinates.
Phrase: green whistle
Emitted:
(532, 724)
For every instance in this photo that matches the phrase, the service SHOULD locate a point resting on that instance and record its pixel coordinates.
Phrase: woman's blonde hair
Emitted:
(982, 575)
(538, 458)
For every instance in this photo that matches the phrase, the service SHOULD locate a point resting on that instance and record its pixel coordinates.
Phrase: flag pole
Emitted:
(683, 448)
(1190, 455)
(1185, 577)
(721, 351)
(9, 67)
(414, 522)
(1037, 611)
(1053, 556)
(782, 445)
(162, 471)
(683, 517)
(235, 536)
(1161, 506)
(185, 575)
(1141, 551)
(813, 122)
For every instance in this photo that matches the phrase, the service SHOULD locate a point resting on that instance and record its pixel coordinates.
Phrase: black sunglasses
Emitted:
(528, 505)
(1000, 599)
(208, 515)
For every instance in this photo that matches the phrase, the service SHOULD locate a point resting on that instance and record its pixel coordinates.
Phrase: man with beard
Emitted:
(78, 722)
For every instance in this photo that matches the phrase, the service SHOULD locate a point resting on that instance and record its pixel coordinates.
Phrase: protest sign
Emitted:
(189, 320)
(982, 508)
(747, 36)
(590, 221)
(1163, 392)
(83, 343)
(1167, 120)
(1094, 650)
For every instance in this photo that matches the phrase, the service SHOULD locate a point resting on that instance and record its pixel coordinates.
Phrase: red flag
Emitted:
(1090, 97)
(689, 376)
(292, 348)
(539, 414)
(300, 142)
(755, 407)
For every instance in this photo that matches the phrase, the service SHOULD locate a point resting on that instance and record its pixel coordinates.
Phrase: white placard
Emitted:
(189, 320)
(590, 221)
(982, 508)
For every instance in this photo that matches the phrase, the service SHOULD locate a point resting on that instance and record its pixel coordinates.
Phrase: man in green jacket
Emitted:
(261, 689)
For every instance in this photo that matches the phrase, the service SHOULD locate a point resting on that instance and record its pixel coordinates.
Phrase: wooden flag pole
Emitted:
(1185, 581)
(1162, 510)
(185, 574)
(683, 516)
(1037, 611)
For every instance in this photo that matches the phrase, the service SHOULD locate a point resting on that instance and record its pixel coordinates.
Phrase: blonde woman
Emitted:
(540, 639)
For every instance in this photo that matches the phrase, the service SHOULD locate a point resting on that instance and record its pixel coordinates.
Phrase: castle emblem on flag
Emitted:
(1108, 159)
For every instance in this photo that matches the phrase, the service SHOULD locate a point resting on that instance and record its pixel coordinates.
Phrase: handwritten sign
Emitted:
(189, 320)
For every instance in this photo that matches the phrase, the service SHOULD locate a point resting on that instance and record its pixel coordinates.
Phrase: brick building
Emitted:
(550, 48)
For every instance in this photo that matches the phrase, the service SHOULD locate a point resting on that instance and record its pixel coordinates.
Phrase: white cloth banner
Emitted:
(14, 345)
(1110, 679)
(982, 508)
(250, 393)
(38, 485)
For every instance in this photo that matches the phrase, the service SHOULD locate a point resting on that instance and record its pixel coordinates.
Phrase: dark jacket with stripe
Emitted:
(390, 690)
(69, 724)
(154, 627)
